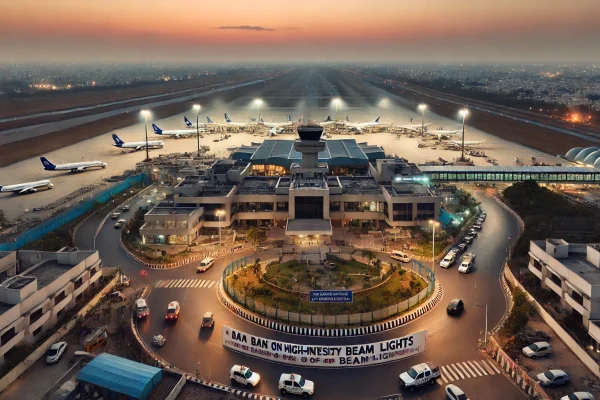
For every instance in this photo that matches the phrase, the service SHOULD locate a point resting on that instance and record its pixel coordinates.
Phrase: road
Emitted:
(451, 340)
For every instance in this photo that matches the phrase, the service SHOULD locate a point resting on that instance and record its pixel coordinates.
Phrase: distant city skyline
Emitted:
(276, 30)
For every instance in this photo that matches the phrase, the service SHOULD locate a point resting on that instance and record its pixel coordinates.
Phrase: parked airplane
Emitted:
(177, 133)
(467, 142)
(414, 128)
(359, 126)
(328, 121)
(277, 124)
(228, 121)
(28, 187)
(152, 144)
(73, 167)
(440, 133)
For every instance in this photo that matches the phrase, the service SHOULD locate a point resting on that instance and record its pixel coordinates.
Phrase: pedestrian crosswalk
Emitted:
(185, 283)
(465, 370)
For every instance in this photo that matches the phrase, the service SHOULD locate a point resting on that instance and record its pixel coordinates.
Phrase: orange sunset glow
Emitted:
(281, 30)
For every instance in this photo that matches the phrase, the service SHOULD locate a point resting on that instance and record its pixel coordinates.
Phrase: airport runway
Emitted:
(305, 93)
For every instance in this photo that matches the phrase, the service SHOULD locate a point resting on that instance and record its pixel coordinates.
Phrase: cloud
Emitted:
(247, 28)
(290, 28)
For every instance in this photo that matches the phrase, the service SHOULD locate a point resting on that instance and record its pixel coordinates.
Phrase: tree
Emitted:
(369, 255)
(255, 235)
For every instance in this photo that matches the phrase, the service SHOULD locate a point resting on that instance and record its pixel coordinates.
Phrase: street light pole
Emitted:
(433, 223)
(219, 214)
(464, 113)
(197, 108)
(422, 107)
(486, 321)
(145, 114)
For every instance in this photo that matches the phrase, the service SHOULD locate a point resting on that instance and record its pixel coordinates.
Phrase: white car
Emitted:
(55, 352)
(553, 377)
(578, 396)
(244, 375)
(465, 266)
(295, 384)
(472, 232)
(453, 392)
(448, 260)
(159, 340)
(538, 349)
(477, 226)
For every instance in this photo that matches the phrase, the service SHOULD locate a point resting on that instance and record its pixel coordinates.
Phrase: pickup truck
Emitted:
(419, 375)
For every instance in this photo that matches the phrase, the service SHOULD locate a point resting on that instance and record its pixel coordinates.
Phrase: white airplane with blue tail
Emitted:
(152, 144)
(27, 187)
(73, 167)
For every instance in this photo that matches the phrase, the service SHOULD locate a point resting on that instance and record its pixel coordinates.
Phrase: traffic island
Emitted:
(309, 318)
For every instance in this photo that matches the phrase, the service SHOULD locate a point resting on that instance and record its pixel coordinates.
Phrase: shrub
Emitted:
(519, 315)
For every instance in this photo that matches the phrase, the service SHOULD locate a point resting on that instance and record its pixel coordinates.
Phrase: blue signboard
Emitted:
(331, 296)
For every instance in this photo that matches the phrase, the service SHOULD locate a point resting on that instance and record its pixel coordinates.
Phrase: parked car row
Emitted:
(288, 383)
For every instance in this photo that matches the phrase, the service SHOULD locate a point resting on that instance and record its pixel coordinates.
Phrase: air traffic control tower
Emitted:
(309, 192)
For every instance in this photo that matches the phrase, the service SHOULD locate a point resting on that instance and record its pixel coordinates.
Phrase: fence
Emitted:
(340, 320)
(75, 212)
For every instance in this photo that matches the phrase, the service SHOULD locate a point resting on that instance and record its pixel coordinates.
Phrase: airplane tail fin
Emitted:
(328, 118)
(347, 119)
(261, 120)
(47, 164)
(187, 122)
(208, 120)
(227, 118)
(289, 117)
(156, 129)
(377, 120)
(117, 140)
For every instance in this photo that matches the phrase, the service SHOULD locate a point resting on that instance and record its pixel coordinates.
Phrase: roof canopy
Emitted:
(121, 375)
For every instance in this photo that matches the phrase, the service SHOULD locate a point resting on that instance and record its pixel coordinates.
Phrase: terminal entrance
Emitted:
(309, 207)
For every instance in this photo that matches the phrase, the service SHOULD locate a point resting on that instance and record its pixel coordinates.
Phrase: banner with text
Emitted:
(325, 356)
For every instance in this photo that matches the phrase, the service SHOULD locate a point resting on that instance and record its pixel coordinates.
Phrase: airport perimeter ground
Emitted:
(303, 93)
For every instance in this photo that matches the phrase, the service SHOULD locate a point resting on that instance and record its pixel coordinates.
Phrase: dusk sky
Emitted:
(307, 30)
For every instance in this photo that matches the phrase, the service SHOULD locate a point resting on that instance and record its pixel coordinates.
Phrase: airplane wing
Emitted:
(28, 189)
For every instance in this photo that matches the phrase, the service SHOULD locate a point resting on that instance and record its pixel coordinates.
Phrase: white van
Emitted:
(206, 264)
(448, 260)
(400, 256)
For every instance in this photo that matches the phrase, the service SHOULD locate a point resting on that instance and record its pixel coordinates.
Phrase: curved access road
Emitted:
(452, 342)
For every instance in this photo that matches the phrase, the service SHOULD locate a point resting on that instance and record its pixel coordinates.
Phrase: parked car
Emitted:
(117, 296)
(455, 307)
(208, 320)
(532, 336)
(469, 239)
(462, 247)
(578, 396)
(453, 392)
(553, 377)
(55, 352)
(472, 232)
(477, 226)
(538, 349)
(244, 375)
(448, 260)
(295, 384)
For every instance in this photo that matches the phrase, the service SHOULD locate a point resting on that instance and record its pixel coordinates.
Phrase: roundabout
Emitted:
(451, 342)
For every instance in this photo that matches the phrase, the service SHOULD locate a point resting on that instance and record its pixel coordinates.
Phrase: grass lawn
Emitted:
(350, 267)
(397, 289)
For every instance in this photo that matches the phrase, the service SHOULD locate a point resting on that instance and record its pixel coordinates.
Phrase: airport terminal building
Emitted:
(307, 186)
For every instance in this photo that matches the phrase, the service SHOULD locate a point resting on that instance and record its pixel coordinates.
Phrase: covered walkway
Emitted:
(547, 174)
